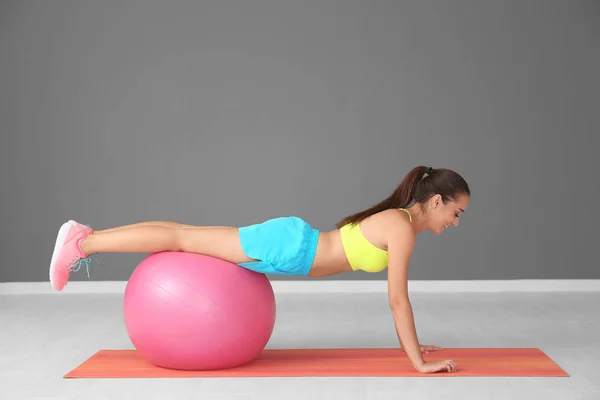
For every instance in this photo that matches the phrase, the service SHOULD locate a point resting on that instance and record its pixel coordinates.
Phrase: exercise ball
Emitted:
(189, 311)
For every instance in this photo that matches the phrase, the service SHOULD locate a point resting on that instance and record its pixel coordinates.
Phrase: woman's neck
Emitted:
(418, 220)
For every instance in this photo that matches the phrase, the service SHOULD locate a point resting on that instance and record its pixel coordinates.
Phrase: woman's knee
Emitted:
(170, 224)
(178, 239)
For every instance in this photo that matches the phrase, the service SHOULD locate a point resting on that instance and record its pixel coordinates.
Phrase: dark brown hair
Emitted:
(415, 188)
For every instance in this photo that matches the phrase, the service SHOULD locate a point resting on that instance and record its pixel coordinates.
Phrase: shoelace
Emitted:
(77, 265)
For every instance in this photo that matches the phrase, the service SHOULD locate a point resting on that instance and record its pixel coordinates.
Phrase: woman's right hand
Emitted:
(435, 366)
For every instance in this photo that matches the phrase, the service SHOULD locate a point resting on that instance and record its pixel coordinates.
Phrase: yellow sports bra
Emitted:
(362, 254)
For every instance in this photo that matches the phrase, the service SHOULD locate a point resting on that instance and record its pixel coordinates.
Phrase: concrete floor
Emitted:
(44, 336)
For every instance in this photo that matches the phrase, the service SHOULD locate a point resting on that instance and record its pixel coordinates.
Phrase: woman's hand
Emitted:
(426, 348)
(437, 366)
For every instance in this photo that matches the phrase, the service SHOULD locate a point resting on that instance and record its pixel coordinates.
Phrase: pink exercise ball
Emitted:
(189, 311)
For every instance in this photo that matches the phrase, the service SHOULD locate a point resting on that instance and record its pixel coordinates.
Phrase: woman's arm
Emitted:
(401, 240)
(407, 335)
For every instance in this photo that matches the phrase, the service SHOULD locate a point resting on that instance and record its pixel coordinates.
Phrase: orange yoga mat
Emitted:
(334, 363)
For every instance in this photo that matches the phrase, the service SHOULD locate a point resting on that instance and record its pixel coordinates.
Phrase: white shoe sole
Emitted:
(60, 241)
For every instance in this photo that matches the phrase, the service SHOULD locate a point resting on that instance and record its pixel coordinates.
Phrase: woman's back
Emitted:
(360, 246)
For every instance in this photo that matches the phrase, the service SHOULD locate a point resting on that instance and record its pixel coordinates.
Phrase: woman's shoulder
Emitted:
(391, 224)
(393, 217)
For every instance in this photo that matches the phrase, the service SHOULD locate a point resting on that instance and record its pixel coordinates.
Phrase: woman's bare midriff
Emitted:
(330, 258)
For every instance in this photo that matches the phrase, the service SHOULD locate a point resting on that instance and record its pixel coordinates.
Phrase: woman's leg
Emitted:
(221, 242)
(75, 242)
(167, 224)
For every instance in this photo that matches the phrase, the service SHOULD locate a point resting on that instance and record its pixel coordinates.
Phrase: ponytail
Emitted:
(400, 198)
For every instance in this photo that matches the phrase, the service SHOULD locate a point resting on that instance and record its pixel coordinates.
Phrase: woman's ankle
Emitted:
(86, 245)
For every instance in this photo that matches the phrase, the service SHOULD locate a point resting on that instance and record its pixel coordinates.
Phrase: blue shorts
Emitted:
(284, 246)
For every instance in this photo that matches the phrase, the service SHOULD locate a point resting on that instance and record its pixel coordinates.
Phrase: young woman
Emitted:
(379, 237)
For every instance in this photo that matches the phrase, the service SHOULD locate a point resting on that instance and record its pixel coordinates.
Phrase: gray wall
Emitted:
(228, 113)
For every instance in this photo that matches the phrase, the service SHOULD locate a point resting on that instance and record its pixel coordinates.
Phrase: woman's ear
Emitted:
(436, 200)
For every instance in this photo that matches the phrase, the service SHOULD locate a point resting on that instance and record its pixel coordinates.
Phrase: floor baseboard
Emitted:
(341, 286)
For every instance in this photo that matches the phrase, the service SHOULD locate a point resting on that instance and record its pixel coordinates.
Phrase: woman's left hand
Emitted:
(426, 348)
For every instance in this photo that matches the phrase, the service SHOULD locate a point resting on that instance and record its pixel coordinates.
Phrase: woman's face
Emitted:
(443, 216)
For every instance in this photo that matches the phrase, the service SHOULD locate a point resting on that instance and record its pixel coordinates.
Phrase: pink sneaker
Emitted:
(68, 256)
